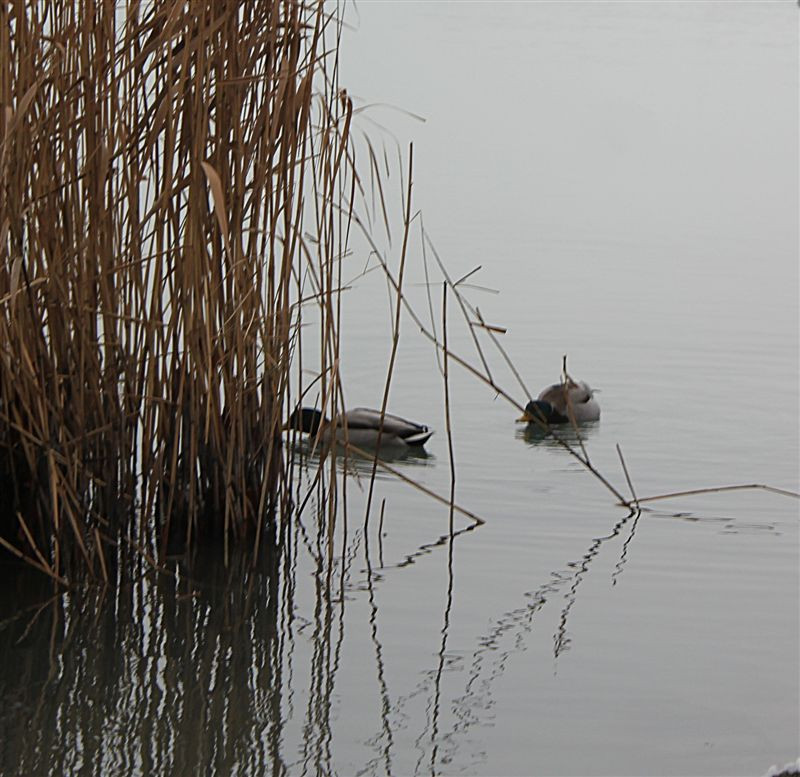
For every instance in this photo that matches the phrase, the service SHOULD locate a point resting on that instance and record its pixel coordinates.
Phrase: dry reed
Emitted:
(160, 163)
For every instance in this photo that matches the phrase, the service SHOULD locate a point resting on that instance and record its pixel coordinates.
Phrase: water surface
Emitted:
(626, 176)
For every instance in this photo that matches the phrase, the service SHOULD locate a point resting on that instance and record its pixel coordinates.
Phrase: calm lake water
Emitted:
(626, 177)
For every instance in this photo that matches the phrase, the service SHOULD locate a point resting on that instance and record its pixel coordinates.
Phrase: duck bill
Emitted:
(526, 418)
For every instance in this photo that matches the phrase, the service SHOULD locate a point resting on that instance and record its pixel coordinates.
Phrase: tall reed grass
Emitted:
(170, 173)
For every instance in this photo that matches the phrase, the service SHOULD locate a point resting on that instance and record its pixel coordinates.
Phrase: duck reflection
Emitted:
(536, 436)
(359, 461)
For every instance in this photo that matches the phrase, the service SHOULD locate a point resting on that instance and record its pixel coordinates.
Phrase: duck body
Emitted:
(554, 404)
(361, 427)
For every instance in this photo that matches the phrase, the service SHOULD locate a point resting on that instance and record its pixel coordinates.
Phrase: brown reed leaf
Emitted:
(219, 201)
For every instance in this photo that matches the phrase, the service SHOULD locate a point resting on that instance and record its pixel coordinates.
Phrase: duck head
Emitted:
(305, 419)
(540, 411)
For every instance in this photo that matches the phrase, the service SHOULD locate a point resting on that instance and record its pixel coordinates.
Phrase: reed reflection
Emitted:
(561, 640)
(384, 741)
(393, 717)
(316, 748)
(436, 702)
(508, 636)
(196, 671)
(180, 673)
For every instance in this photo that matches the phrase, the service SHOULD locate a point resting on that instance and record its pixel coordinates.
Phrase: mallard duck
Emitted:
(360, 427)
(551, 407)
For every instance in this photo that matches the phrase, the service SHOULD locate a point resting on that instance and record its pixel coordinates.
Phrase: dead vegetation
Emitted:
(169, 171)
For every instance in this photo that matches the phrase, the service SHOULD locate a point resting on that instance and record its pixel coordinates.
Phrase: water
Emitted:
(626, 176)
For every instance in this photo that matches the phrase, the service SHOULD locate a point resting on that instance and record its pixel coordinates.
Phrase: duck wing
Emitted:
(583, 403)
(581, 397)
(556, 397)
(408, 431)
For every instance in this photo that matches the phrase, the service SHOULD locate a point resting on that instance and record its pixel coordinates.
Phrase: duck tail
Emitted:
(419, 438)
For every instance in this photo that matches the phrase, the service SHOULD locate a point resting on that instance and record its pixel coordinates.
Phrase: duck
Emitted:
(360, 427)
(554, 403)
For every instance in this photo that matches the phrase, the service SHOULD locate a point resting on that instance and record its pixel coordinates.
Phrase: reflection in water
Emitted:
(509, 635)
(728, 524)
(385, 740)
(535, 436)
(190, 671)
(175, 674)
(358, 465)
(561, 640)
(197, 671)
(473, 706)
(425, 549)
(623, 556)
(442, 654)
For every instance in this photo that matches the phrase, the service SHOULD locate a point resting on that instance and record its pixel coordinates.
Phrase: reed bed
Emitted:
(170, 173)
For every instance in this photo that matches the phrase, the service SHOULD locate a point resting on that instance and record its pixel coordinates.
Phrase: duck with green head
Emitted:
(360, 427)
(555, 404)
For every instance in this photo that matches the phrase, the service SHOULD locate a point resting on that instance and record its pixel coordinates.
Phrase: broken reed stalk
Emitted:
(460, 300)
(490, 330)
(627, 476)
(475, 311)
(720, 489)
(428, 295)
(159, 163)
(476, 519)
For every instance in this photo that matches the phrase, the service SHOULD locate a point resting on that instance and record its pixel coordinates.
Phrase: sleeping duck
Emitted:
(360, 427)
(551, 407)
